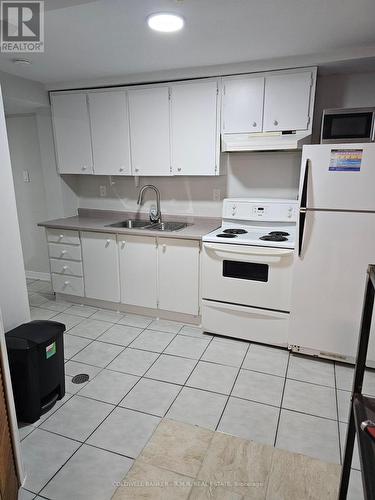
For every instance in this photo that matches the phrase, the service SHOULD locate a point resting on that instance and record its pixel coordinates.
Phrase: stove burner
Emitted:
(235, 231)
(279, 233)
(226, 235)
(273, 237)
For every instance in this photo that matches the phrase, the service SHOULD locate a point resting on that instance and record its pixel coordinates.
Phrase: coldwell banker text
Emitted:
(22, 26)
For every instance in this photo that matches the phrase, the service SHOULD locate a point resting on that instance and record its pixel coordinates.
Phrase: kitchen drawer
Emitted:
(68, 252)
(245, 323)
(69, 267)
(63, 236)
(68, 284)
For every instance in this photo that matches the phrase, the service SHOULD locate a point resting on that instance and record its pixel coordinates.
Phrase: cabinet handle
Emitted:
(84, 167)
(66, 283)
(63, 252)
(122, 244)
(136, 169)
(275, 122)
(61, 236)
(65, 268)
(254, 124)
(122, 169)
(179, 170)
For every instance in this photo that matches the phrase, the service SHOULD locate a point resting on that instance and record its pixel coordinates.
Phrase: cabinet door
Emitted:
(72, 133)
(110, 132)
(138, 270)
(178, 262)
(100, 266)
(242, 105)
(194, 131)
(287, 102)
(149, 131)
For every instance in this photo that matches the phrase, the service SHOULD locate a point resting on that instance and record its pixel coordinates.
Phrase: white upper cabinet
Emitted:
(100, 266)
(72, 133)
(110, 132)
(195, 136)
(287, 101)
(150, 130)
(242, 105)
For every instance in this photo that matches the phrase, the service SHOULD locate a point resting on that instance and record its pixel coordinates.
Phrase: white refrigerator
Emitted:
(335, 244)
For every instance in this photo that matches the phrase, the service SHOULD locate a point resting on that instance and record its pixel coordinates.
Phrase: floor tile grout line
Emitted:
(337, 412)
(196, 364)
(84, 442)
(183, 385)
(231, 391)
(281, 402)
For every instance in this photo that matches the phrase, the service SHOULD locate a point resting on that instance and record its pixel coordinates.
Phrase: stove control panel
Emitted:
(269, 210)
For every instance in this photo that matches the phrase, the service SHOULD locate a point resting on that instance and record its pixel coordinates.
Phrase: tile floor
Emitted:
(143, 369)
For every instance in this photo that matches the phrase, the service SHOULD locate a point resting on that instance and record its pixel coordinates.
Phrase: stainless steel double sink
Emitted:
(143, 224)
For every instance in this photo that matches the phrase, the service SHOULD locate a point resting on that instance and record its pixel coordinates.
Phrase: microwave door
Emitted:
(348, 127)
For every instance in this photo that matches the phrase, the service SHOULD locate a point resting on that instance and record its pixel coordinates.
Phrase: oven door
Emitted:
(247, 275)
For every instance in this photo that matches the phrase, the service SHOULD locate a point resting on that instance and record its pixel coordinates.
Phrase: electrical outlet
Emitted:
(216, 195)
(103, 191)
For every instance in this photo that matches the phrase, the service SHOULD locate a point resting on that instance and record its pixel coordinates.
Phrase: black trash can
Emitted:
(36, 362)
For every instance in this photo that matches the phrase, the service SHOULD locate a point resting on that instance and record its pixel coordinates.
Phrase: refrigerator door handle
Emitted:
(302, 220)
(305, 185)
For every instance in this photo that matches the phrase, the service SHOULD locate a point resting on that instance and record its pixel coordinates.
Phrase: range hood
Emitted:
(265, 141)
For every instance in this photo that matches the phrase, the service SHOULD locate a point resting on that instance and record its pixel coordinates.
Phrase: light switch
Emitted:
(26, 176)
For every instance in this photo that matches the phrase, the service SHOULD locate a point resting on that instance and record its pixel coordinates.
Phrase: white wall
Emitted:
(248, 174)
(30, 196)
(21, 95)
(47, 195)
(13, 294)
(343, 91)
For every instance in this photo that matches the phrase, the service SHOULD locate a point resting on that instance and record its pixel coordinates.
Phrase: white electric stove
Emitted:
(247, 270)
(260, 222)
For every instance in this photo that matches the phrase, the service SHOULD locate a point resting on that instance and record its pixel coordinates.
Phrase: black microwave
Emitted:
(348, 125)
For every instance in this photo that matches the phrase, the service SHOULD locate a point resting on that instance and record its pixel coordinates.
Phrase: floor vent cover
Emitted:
(81, 378)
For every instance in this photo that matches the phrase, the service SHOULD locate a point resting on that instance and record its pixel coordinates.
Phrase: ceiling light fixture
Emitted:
(21, 61)
(167, 23)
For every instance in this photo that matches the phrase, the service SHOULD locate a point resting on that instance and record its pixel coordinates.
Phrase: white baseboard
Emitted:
(36, 275)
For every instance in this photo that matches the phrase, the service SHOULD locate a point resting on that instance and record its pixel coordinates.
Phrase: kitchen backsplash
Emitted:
(248, 175)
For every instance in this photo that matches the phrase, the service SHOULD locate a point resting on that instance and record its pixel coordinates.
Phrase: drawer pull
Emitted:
(63, 252)
(65, 268)
(61, 236)
(66, 283)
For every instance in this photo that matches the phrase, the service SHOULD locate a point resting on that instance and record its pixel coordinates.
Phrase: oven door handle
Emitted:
(269, 254)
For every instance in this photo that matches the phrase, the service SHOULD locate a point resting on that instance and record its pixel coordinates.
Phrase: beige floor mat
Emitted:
(183, 461)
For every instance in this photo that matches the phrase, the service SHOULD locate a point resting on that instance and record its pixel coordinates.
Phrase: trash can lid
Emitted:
(36, 332)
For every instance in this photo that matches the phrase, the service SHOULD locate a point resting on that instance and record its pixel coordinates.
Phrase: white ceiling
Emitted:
(91, 40)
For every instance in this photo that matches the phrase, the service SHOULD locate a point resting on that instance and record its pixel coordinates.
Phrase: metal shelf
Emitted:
(362, 408)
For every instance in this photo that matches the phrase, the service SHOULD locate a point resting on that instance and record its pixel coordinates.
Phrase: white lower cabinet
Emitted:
(67, 284)
(144, 271)
(178, 262)
(100, 266)
(138, 270)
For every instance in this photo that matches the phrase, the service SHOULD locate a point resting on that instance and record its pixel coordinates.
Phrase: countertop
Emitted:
(98, 220)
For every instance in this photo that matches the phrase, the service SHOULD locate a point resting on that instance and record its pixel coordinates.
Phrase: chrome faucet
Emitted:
(155, 214)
